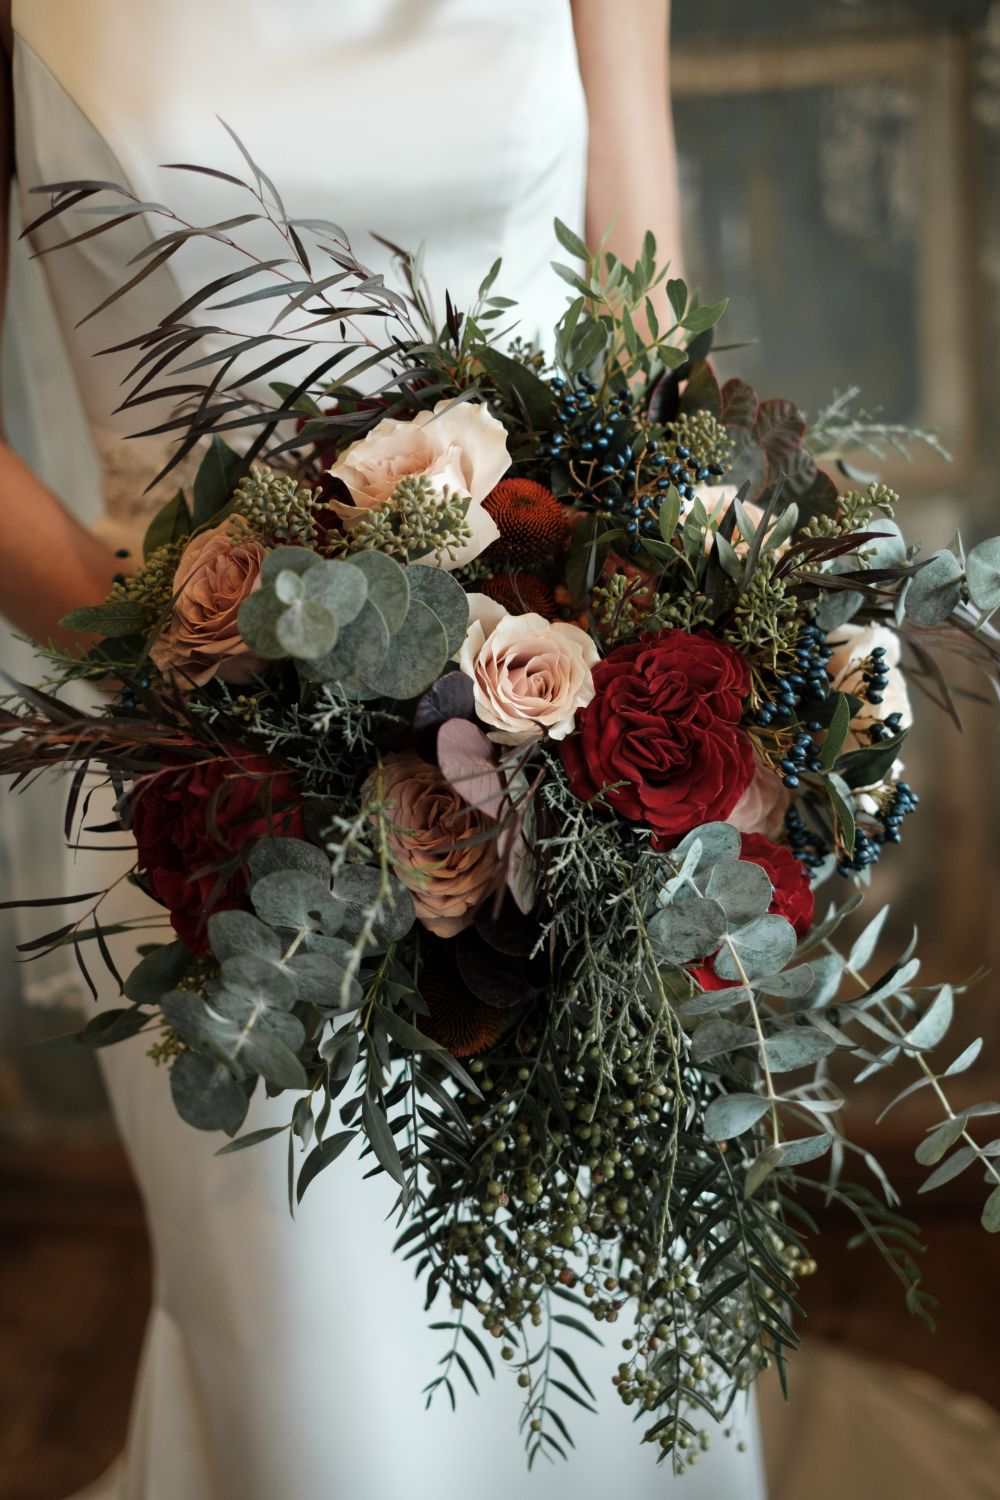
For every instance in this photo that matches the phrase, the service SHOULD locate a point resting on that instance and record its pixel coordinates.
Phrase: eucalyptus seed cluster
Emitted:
(766, 619)
(624, 607)
(417, 519)
(568, 1202)
(152, 585)
(704, 438)
(854, 512)
(277, 506)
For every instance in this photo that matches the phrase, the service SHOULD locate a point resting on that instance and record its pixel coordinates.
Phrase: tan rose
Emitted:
(217, 570)
(459, 447)
(437, 844)
(529, 676)
(852, 645)
(763, 805)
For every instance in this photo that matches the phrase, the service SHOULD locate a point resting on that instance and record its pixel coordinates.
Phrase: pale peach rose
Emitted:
(459, 447)
(218, 569)
(852, 646)
(530, 676)
(437, 844)
(763, 805)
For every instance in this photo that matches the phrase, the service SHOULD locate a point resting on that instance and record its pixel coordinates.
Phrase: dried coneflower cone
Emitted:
(534, 527)
(521, 593)
(457, 1019)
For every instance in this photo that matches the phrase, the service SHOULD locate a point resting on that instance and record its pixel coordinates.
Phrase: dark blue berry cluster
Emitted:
(621, 471)
(809, 847)
(807, 683)
(886, 829)
(875, 675)
(128, 694)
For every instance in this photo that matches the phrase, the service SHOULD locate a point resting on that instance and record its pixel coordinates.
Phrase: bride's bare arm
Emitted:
(49, 563)
(632, 161)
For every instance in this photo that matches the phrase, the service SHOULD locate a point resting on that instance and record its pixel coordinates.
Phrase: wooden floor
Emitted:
(74, 1286)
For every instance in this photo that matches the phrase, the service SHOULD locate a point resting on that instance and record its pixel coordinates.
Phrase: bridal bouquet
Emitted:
(506, 742)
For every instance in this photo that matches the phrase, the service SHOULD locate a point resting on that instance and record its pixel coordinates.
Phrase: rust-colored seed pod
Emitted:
(521, 593)
(534, 527)
(457, 1019)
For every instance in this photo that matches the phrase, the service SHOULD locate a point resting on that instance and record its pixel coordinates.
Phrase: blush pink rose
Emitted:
(762, 808)
(217, 570)
(459, 447)
(530, 675)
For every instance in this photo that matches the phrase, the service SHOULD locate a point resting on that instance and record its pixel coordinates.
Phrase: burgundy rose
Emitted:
(662, 731)
(188, 818)
(793, 897)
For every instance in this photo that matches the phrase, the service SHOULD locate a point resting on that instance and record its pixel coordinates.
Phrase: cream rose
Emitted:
(459, 447)
(852, 646)
(529, 676)
(763, 805)
(437, 844)
(217, 570)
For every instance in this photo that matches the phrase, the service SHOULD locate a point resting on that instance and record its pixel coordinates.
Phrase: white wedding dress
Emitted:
(284, 1360)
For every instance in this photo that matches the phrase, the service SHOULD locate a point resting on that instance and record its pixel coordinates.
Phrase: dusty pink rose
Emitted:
(459, 447)
(763, 805)
(530, 675)
(217, 570)
(437, 844)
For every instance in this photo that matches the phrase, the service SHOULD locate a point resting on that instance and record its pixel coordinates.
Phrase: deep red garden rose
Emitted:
(190, 816)
(664, 722)
(793, 897)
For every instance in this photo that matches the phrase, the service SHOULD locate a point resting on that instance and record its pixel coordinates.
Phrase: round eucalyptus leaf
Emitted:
(361, 647)
(289, 854)
(205, 1095)
(449, 601)
(388, 586)
(935, 591)
(716, 1037)
(293, 899)
(322, 981)
(287, 559)
(186, 1013)
(232, 932)
(339, 586)
(741, 888)
(887, 550)
(763, 947)
(836, 607)
(257, 621)
(262, 980)
(687, 929)
(246, 1017)
(359, 888)
(158, 972)
(798, 1047)
(265, 1053)
(717, 840)
(306, 629)
(288, 586)
(416, 656)
(732, 1114)
(793, 984)
(982, 572)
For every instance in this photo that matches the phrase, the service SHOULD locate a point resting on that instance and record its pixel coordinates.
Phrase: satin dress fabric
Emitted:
(285, 1359)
